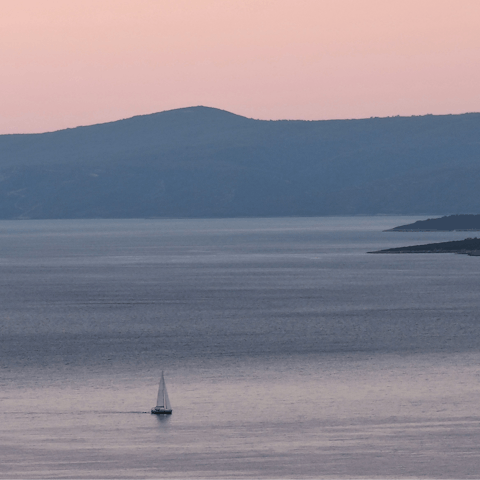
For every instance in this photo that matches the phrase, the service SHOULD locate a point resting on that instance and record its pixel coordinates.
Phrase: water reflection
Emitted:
(163, 419)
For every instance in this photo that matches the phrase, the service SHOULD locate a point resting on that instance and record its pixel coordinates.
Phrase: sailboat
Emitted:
(163, 403)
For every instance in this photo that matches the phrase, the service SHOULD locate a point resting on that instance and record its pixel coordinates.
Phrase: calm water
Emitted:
(288, 351)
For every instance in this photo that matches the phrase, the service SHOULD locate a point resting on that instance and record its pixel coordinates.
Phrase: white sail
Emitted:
(162, 397)
(167, 401)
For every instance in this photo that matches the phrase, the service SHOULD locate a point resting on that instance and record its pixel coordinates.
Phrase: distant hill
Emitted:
(451, 223)
(204, 162)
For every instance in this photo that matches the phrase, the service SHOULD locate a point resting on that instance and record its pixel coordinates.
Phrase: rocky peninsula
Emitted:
(469, 246)
(450, 223)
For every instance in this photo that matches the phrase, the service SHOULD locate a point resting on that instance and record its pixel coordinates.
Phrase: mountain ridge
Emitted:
(205, 162)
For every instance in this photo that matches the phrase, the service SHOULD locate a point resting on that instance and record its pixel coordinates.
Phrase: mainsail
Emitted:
(162, 397)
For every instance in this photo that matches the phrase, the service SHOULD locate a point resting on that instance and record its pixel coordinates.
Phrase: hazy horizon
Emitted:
(84, 62)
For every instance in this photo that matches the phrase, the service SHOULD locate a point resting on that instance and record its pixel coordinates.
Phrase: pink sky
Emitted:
(76, 62)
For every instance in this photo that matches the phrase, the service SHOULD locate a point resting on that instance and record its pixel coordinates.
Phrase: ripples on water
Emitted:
(288, 351)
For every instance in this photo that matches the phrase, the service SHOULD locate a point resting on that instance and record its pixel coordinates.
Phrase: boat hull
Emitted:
(161, 411)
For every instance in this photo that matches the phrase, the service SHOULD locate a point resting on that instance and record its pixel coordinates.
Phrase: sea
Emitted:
(288, 350)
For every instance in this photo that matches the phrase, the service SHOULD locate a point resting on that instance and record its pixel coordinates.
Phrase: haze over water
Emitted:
(287, 350)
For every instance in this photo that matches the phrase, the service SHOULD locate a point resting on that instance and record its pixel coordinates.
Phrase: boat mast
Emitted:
(163, 389)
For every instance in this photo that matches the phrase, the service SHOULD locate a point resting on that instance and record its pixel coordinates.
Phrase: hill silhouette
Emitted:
(205, 162)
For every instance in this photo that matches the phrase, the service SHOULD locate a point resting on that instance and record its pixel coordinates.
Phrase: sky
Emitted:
(65, 63)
